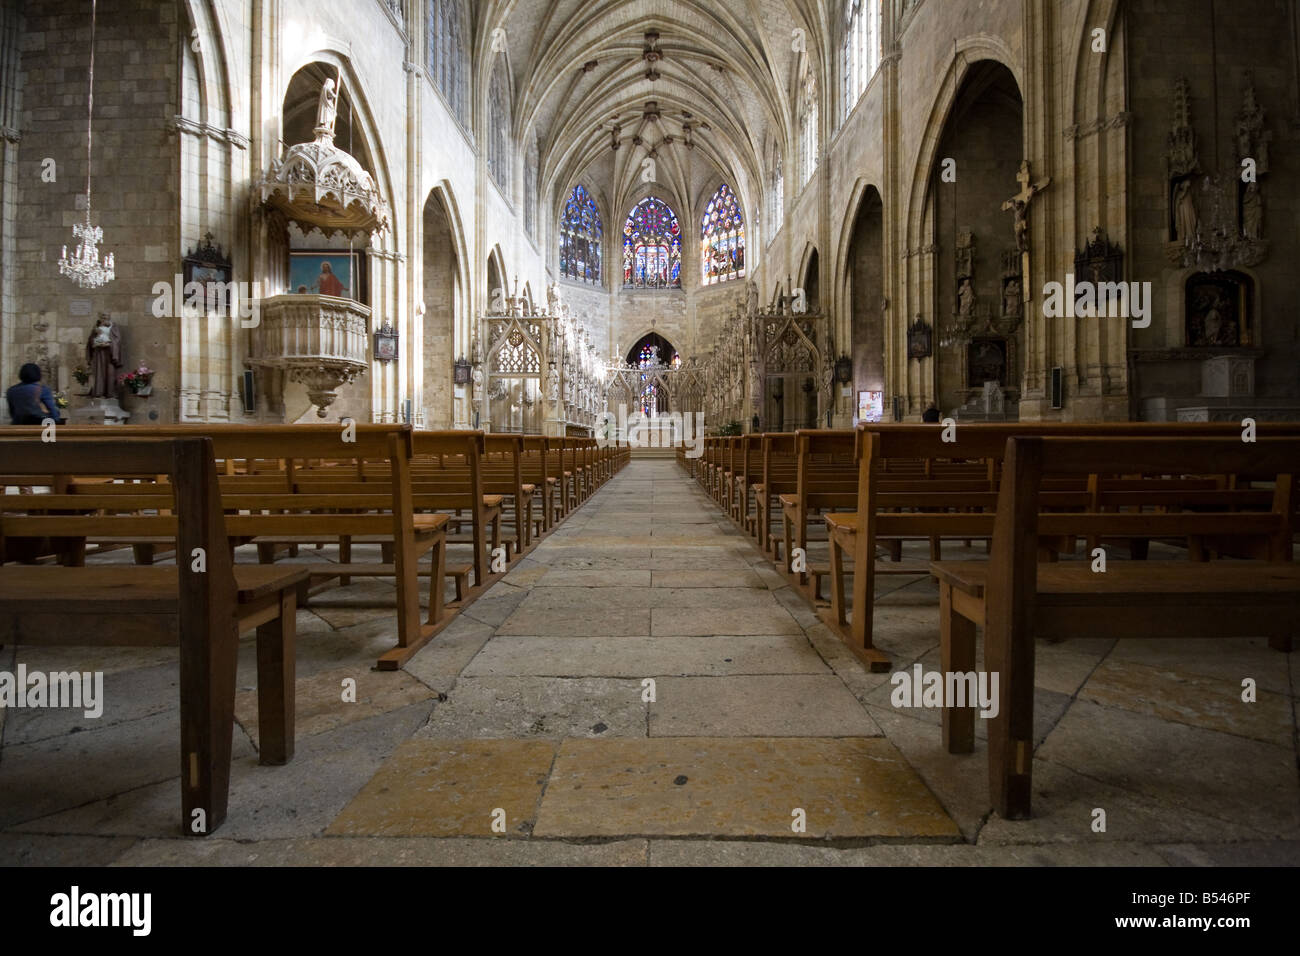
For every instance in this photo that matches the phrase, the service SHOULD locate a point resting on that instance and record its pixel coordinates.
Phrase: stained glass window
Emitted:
(448, 58)
(808, 128)
(859, 50)
(722, 238)
(650, 400)
(530, 188)
(777, 195)
(581, 233)
(652, 247)
(498, 146)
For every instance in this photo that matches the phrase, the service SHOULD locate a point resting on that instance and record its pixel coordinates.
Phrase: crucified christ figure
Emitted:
(1019, 204)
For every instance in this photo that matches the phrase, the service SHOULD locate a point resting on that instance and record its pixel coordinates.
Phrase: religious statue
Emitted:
(965, 298)
(1184, 211)
(553, 298)
(1011, 304)
(1252, 212)
(104, 357)
(1019, 204)
(751, 298)
(327, 109)
(553, 384)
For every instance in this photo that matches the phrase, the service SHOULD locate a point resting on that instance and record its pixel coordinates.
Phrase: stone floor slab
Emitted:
(451, 788)
(715, 787)
(766, 706)
(553, 707)
(640, 658)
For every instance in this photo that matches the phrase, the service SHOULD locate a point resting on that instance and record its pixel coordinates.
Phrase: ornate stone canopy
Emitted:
(320, 185)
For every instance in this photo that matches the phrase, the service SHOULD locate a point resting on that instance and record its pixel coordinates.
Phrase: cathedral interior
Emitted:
(739, 217)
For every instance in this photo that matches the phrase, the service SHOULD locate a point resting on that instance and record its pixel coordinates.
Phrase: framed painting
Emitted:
(386, 343)
(209, 266)
(325, 272)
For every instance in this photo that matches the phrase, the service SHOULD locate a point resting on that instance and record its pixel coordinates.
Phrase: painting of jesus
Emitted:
(323, 273)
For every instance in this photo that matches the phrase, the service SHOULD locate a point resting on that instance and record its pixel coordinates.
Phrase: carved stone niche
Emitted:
(1218, 309)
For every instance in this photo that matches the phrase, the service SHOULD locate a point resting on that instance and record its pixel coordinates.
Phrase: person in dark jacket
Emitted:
(930, 415)
(31, 402)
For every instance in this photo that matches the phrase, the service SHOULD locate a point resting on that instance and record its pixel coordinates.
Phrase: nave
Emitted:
(532, 702)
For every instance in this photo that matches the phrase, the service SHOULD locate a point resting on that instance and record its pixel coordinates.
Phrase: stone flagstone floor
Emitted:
(530, 712)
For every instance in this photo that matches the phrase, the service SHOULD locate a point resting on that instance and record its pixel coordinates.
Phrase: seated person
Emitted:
(30, 401)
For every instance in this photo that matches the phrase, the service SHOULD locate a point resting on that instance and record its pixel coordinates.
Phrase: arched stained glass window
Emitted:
(722, 238)
(808, 112)
(530, 187)
(448, 54)
(859, 50)
(581, 233)
(498, 145)
(652, 247)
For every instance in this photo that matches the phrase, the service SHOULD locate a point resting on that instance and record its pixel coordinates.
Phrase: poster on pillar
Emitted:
(871, 406)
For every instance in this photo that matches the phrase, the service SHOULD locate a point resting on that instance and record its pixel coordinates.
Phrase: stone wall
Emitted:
(134, 187)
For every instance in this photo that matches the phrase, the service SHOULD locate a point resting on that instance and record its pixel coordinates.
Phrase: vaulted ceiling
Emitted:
(697, 85)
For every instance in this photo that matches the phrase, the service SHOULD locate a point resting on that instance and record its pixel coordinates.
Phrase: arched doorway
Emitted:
(977, 291)
(865, 294)
(652, 351)
(442, 304)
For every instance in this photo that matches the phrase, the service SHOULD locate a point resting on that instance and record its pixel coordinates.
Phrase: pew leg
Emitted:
(956, 655)
(936, 549)
(386, 552)
(1009, 653)
(275, 682)
(208, 652)
(895, 550)
(143, 553)
(436, 583)
(837, 583)
(345, 557)
(787, 536)
(1139, 548)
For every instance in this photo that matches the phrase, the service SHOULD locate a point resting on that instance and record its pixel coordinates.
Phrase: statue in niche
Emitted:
(1011, 303)
(104, 357)
(327, 109)
(1252, 212)
(1184, 211)
(1212, 317)
(553, 384)
(965, 298)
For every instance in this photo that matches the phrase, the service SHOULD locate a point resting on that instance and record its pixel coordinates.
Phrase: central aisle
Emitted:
(645, 673)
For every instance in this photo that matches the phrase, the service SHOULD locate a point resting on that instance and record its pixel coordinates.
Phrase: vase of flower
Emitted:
(139, 381)
(82, 376)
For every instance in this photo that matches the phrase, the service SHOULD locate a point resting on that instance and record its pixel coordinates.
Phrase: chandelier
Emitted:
(84, 267)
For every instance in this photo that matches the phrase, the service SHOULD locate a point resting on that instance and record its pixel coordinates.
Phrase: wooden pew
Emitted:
(203, 603)
(1016, 599)
(780, 476)
(306, 503)
(942, 507)
(826, 478)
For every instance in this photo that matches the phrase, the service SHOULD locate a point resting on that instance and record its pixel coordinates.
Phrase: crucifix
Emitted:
(1019, 205)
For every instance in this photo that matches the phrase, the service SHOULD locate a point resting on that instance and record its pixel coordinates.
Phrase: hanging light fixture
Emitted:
(84, 267)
